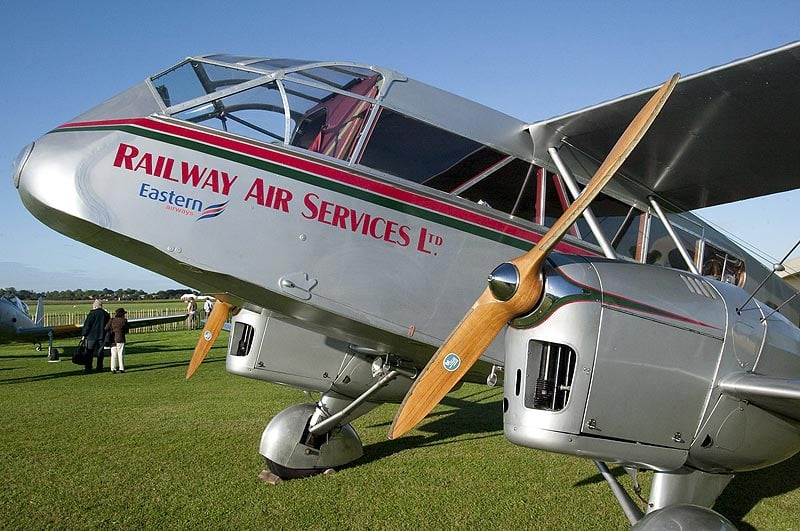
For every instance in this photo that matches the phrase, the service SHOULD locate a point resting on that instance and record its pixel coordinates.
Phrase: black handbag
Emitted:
(80, 355)
(108, 338)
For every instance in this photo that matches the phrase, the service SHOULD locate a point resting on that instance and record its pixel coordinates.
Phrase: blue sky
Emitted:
(529, 59)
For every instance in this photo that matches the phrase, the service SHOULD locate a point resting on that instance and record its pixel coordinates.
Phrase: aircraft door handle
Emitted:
(298, 285)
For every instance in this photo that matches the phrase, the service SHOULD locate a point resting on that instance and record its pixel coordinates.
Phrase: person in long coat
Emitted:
(93, 332)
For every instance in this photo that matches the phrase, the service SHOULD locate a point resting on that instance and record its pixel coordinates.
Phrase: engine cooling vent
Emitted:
(242, 339)
(549, 373)
(699, 287)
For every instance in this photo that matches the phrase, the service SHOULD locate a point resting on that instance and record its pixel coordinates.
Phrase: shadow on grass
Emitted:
(157, 366)
(129, 367)
(24, 356)
(749, 488)
(745, 491)
(477, 420)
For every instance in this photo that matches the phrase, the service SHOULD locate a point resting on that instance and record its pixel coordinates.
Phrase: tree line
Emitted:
(128, 294)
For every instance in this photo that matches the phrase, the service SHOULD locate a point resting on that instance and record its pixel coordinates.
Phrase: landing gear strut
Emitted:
(307, 439)
(52, 352)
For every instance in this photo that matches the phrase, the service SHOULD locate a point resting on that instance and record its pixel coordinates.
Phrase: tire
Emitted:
(291, 473)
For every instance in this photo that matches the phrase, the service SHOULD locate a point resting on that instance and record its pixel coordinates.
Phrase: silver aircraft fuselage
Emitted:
(367, 258)
(353, 242)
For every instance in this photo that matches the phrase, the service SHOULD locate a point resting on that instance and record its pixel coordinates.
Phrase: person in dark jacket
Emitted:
(118, 326)
(93, 332)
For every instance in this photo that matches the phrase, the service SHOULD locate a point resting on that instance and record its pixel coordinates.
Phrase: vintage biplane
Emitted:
(347, 215)
(16, 324)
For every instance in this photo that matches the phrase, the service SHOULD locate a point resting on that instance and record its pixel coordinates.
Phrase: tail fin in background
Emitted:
(39, 318)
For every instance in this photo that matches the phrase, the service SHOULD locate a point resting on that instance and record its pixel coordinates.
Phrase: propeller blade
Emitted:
(214, 323)
(489, 314)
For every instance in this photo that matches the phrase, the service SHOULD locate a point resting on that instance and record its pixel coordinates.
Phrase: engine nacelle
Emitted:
(621, 362)
(267, 347)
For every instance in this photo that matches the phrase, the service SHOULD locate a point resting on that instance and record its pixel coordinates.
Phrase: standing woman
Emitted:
(118, 325)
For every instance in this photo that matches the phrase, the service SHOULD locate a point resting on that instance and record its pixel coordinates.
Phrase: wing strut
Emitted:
(775, 268)
(591, 220)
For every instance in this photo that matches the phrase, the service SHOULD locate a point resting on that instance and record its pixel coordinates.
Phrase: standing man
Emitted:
(94, 333)
(191, 309)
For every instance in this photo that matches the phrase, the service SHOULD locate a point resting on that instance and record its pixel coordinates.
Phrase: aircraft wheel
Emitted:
(293, 452)
(684, 516)
(291, 473)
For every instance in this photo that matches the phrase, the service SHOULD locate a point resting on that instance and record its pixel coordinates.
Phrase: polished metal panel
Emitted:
(283, 352)
(556, 325)
(530, 435)
(650, 384)
(732, 439)
(686, 485)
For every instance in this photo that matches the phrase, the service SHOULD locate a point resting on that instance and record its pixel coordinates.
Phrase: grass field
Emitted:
(148, 449)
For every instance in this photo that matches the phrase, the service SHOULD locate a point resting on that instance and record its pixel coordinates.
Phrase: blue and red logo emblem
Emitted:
(212, 211)
(451, 362)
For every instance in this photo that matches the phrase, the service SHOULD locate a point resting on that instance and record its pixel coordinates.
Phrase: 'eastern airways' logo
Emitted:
(181, 204)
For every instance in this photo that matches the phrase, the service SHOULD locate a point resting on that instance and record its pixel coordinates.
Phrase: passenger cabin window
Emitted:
(722, 266)
(619, 222)
(663, 251)
(331, 110)
(419, 152)
(516, 189)
(505, 188)
(531, 193)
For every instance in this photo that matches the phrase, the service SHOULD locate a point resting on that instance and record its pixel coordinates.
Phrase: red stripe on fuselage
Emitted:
(330, 173)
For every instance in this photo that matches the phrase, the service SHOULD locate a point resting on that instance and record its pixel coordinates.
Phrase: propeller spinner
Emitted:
(514, 286)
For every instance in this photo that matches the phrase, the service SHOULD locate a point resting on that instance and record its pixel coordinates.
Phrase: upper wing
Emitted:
(726, 134)
(778, 395)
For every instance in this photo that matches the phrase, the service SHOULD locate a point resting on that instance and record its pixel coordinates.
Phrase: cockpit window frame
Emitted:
(280, 77)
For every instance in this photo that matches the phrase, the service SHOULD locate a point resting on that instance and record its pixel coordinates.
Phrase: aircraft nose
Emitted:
(47, 175)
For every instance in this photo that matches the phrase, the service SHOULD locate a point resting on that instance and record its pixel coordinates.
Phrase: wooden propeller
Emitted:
(514, 287)
(214, 323)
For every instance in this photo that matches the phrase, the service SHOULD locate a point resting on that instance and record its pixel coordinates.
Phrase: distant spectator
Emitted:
(207, 307)
(118, 326)
(93, 332)
(191, 309)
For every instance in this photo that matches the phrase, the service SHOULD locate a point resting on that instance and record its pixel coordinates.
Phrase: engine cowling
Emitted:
(621, 362)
